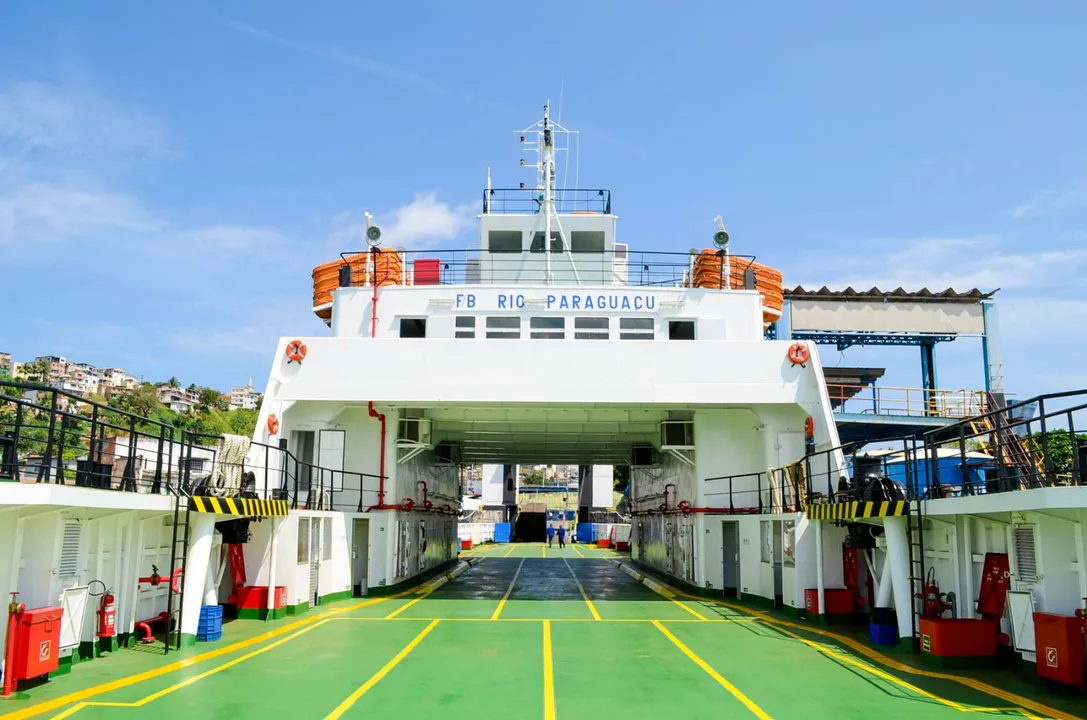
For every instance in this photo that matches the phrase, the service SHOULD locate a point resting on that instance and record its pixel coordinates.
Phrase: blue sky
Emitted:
(170, 175)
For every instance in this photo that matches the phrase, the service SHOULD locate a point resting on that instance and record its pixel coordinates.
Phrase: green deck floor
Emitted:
(527, 632)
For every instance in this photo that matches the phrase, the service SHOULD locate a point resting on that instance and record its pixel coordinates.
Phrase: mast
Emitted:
(545, 149)
(548, 179)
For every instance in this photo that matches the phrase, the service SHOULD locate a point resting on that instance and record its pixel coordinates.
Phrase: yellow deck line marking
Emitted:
(536, 620)
(80, 695)
(888, 677)
(592, 608)
(548, 673)
(365, 687)
(691, 610)
(405, 606)
(189, 681)
(510, 551)
(502, 603)
(578, 552)
(1023, 704)
(714, 674)
(543, 551)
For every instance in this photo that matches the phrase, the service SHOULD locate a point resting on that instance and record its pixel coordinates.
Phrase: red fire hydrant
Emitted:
(15, 609)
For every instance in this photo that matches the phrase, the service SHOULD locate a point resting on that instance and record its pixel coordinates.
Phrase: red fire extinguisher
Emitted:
(934, 604)
(107, 617)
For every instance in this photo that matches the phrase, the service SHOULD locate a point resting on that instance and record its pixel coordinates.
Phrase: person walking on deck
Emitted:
(551, 535)
(562, 536)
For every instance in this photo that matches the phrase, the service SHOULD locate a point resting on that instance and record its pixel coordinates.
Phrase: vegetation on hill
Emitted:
(210, 416)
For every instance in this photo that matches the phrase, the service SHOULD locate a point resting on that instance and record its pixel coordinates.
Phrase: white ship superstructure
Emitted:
(553, 343)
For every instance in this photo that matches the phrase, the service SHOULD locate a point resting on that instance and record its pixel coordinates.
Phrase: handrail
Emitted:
(903, 401)
(147, 456)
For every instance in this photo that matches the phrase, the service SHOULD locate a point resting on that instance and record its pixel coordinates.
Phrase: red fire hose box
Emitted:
(1060, 648)
(255, 597)
(37, 640)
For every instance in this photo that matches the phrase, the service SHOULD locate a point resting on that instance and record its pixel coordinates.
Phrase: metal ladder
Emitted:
(179, 551)
(915, 523)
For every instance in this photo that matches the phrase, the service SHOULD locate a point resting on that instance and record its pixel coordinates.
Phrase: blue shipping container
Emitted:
(501, 532)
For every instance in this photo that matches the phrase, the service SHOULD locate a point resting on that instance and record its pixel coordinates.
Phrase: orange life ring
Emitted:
(296, 351)
(799, 354)
(809, 427)
(273, 424)
(175, 583)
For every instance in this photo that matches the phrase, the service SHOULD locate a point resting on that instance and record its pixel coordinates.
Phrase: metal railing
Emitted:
(526, 201)
(53, 436)
(1033, 444)
(906, 402)
(619, 267)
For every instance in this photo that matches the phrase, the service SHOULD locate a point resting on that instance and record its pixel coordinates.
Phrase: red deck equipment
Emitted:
(958, 637)
(839, 601)
(1060, 648)
(255, 597)
(426, 271)
(36, 648)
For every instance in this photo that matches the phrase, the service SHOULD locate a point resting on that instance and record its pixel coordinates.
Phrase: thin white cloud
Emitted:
(40, 116)
(1045, 203)
(941, 262)
(235, 239)
(422, 224)
(37, 215)
(390, 73)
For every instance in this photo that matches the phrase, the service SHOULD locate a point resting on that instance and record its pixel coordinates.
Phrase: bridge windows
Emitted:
(591, 328)
(413, 327)
(537, 245)
(504, 241)
(466, 327)
(587, 241)
(547, 328)
(681, 329)
(504, 328)
(636, 328)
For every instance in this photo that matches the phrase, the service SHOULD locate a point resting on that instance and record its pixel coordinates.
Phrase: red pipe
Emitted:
(373, 281)
(664, 507)
(427, 505)
(381, 479)
(14, 611)
(148, 637)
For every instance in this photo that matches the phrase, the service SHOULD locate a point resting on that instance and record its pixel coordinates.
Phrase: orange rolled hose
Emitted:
(709, 273)
(389, 270)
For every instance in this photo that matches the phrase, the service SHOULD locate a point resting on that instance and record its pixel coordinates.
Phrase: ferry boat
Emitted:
(552, 342)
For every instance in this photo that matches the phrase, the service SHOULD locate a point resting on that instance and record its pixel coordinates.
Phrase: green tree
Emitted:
(173, 382)
(536, 477)
(37, 372)
(1059, 445)
(242, 421)
(211, 399)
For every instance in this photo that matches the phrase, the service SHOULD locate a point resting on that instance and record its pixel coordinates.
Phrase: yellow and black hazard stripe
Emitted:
(857, 510)
(242, 507)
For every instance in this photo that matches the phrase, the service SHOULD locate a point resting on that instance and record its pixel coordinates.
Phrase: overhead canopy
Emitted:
(896, 295)
(817, 313)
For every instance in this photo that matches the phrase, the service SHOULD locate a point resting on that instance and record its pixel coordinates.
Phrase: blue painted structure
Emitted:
(502, 532)
(951, 470)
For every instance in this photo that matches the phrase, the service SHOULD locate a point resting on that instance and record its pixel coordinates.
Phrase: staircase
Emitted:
(1014, 452)
(179, 547)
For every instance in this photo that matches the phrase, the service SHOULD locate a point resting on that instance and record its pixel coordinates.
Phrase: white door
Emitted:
(315, 559)
(360, 557)
(74, 604)
(330, 453)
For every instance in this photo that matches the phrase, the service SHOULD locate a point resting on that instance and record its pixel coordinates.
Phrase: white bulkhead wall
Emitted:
(732, 315)
(116, 548)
